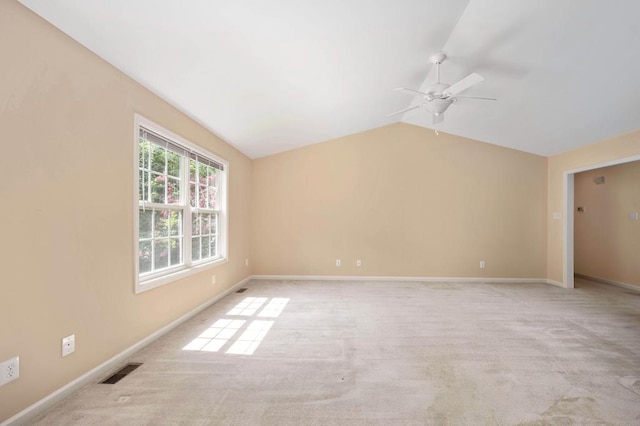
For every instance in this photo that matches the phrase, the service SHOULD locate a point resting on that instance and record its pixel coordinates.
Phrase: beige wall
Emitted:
(612, 149)
(606, 241)
(66, 129)
(406, 202)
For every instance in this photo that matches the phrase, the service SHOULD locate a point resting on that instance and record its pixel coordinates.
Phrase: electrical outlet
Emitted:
(68, 345)
(246, 262)
(358, 263)
(213, 279)
(338, 262)
(482, 264)
(9, 370)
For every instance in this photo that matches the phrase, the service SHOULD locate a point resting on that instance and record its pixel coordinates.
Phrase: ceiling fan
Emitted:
(438, 97)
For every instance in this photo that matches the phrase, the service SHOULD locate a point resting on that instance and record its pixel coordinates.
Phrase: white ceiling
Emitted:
(269, 76)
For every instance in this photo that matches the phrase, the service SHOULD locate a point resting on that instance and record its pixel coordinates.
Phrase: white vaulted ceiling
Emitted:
(269, 76)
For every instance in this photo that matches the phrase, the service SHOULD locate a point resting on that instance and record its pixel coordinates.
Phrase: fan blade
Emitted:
(403, 110)
(411, 92)
(476, 97)
(438, 118)
(464, 84)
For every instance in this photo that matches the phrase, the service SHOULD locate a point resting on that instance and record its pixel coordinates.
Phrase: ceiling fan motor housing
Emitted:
(437, 105)
(437, 102)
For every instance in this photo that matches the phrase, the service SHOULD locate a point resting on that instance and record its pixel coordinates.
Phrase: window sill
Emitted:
(148, 284)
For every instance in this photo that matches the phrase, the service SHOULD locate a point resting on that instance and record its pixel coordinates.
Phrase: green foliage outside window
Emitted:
(160, 229)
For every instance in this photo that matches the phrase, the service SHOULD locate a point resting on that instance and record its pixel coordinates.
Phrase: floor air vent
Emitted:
(242, 290)
(121, 374)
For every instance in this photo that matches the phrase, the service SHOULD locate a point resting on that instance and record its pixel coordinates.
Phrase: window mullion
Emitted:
(166, 176)
(186, 212)
(207, 203)
(153, 239)
(197, 184)
(147, 184)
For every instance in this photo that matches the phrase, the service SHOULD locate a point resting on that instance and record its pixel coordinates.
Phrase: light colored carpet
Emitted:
(374, 353)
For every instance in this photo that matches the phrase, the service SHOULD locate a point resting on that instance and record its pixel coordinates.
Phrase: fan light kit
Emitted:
(438, 97)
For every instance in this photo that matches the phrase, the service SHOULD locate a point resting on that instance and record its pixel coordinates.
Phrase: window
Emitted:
(180, 212)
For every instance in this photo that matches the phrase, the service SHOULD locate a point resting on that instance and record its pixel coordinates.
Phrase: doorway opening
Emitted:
(568, 230)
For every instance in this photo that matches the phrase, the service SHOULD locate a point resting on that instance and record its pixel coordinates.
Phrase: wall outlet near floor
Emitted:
(246, 262)
(213, 279)
(9, 370)
(68, 345)
(338, 262)
(358, 263)
(482, 264)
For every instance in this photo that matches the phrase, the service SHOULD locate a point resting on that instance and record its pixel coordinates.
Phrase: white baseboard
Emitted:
(377, 278)
(609, 282)
(33, 411)
(554, 282)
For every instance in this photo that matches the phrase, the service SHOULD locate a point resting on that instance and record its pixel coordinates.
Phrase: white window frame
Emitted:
(188, 267)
